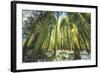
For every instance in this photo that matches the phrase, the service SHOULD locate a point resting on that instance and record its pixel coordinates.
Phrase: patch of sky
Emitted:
(60, 15)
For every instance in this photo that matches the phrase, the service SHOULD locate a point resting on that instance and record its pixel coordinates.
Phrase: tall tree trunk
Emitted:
(54, 52)
(76, 52)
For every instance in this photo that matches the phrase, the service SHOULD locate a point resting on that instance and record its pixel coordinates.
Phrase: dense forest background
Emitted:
(56, 36)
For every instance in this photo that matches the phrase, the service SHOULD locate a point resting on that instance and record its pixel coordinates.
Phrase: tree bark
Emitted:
(76, 52)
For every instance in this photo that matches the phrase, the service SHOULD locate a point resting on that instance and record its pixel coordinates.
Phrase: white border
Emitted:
(36, 65)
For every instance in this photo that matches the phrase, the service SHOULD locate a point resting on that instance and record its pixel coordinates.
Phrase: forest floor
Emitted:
(62, 55)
